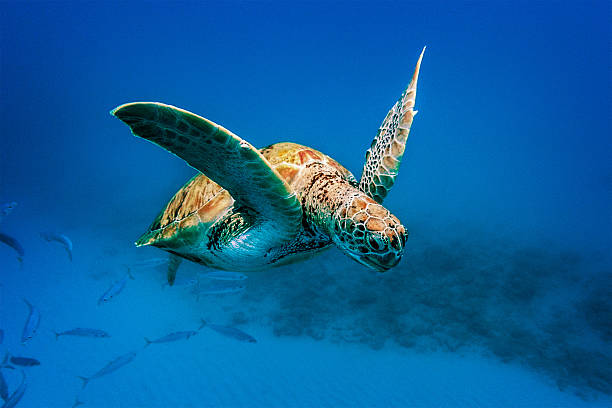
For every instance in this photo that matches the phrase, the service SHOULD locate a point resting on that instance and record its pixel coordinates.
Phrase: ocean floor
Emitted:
(456, 324)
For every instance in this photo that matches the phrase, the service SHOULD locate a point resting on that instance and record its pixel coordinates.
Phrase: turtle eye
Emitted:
(375, 242)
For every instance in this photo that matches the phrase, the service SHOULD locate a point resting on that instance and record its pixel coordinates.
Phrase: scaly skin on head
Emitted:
(368, 232)
(358, 225)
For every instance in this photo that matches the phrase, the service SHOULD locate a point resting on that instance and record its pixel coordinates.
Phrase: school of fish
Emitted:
(210, 283)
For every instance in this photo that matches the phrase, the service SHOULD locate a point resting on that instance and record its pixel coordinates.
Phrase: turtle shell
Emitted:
(201, 202)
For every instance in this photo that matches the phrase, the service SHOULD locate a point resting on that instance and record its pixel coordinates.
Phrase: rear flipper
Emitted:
(173, 265)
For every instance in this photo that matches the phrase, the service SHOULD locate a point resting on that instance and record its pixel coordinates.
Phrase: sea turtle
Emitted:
(249, 209)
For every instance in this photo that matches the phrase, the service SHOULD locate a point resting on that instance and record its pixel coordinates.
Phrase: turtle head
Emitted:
(368, 232)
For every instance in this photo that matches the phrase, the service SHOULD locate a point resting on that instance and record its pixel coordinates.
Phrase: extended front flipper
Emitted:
(222, 156)
(383, 158)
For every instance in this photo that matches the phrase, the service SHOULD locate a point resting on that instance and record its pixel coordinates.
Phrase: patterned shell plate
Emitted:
(201, 202)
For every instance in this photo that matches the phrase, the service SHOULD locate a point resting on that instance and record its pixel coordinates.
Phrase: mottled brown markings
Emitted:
(377, 210)
(386, 150)
(375, 224)
(307, 155)
(326, 193)
(287, 173)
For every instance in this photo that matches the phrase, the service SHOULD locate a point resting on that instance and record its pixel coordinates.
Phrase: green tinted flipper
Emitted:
(383, 158)
(230, 161)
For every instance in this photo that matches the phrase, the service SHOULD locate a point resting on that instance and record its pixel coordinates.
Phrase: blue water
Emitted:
(504, 295)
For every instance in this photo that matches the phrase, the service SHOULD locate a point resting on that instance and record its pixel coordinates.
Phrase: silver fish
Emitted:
(59, 238)
(219, 289)
(110, 367)
(24, 361)
(116, 288)
(180, 335)
(229, 332)
(3, 387)
(183, 282)
(223, 275)
(82, 332)
(77, 402)
(12, 242)
(6, 208)
(31, 324)
(16, 396)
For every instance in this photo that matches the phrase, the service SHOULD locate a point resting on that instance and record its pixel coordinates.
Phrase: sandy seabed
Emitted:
(282, 369)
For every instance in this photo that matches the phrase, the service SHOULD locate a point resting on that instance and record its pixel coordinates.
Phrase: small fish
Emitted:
(219, 289)
(183, 281)
(116, 288)
(229, 332)
(16, 396)
(6, 209)
(223, 275)
(31, 324)
(180, 335)
(59, 238)
(3, 387)
(110, 367)
(77, 402)
(1, 336)
(24, 361)
(79, 331)
(12, 242)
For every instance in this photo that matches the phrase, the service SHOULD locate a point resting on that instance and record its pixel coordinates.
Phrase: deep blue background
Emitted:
(505, 186)
(513, 131)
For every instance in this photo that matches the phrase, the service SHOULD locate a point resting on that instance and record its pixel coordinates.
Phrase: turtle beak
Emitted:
(377, 262)
(380, 263)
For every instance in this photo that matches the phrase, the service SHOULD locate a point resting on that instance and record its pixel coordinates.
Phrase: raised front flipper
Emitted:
(383, 158)
(223, 157)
